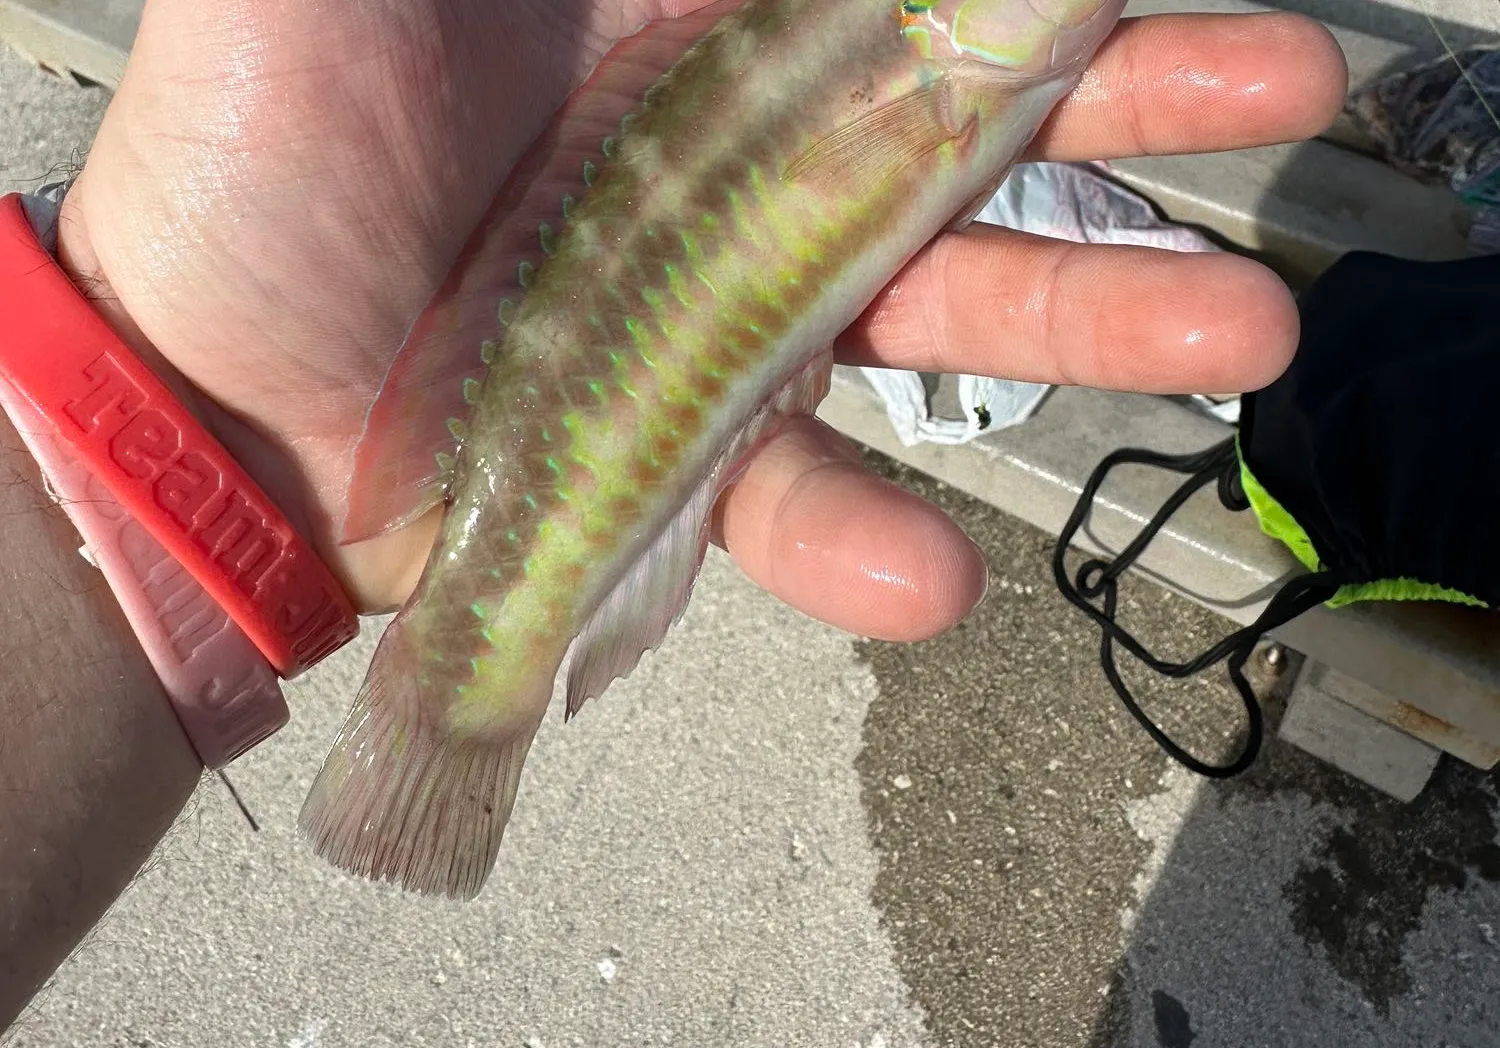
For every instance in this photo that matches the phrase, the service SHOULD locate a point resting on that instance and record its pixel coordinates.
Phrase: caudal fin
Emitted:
(399, 800)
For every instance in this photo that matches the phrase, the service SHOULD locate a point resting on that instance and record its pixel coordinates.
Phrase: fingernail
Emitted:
(984, 594)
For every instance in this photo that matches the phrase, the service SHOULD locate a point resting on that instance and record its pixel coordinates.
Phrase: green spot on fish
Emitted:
(554, 465)
(641, 340)
(709, 220)
(546, 435)
(741, 215)
(457, 428)
(590, 172)
(445, 462)
(608, 147)
(479, 611)
(676, 285)
(690, 249)
(506, 313)
(547, 239)
(653, 298)
(489, 351)
(510, 536)
(597, 389)
(525, 274)
(471, 390)
(757, 180)
(568, 206)
(530, 500)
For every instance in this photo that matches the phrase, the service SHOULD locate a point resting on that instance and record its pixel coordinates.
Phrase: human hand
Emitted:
(277, 189)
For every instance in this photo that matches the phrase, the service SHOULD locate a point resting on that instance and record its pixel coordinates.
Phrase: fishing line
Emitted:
(254, 826)
(1464, 72)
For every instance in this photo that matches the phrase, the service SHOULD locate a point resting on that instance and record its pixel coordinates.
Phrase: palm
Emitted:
(360, 157)
(277, 189)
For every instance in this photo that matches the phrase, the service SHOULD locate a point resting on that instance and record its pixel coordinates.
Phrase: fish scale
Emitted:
(748, 208)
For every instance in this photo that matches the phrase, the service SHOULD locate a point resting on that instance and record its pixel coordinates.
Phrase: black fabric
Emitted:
(1381, 438)
(1378, 440)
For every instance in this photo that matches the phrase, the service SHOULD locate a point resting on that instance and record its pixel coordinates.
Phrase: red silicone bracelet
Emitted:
(159, 463)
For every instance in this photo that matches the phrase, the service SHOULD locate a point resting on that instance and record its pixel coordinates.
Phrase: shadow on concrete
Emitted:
(1048, 878)
(1295, 905)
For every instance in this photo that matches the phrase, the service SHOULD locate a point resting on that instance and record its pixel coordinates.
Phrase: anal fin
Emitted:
(653, 594)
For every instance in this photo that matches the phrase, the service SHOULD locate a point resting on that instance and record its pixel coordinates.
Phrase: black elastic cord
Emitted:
(1098, 578)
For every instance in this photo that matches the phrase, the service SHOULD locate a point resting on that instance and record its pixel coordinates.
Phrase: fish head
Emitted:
(1031, 38)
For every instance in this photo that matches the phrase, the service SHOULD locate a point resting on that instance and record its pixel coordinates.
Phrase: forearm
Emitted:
(93, 764)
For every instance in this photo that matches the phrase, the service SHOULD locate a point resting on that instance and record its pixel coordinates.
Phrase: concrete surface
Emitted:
(87, 39)
(1405, 19)
(776, 835)
(1318, 720)
(1298, 207)
(1435, 663)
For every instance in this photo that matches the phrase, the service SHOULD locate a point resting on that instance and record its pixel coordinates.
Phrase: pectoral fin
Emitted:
(861, 157)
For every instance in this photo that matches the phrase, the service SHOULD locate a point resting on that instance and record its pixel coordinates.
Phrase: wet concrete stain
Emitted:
(1366, 889)
(996, 770)
(1174, 1027)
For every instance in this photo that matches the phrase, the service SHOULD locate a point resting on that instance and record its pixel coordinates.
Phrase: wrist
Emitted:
(95, 754)
(378, 574)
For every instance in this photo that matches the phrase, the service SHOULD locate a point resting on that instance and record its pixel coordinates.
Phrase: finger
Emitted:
(996, 302)
(811, 525)
(1199, 83)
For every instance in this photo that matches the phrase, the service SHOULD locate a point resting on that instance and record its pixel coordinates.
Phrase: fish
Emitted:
(675, 309)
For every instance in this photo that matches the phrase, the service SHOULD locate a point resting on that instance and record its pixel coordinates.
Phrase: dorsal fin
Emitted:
(406, 447)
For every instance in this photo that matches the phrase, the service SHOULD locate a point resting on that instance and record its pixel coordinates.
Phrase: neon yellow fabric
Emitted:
(1276, 522)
